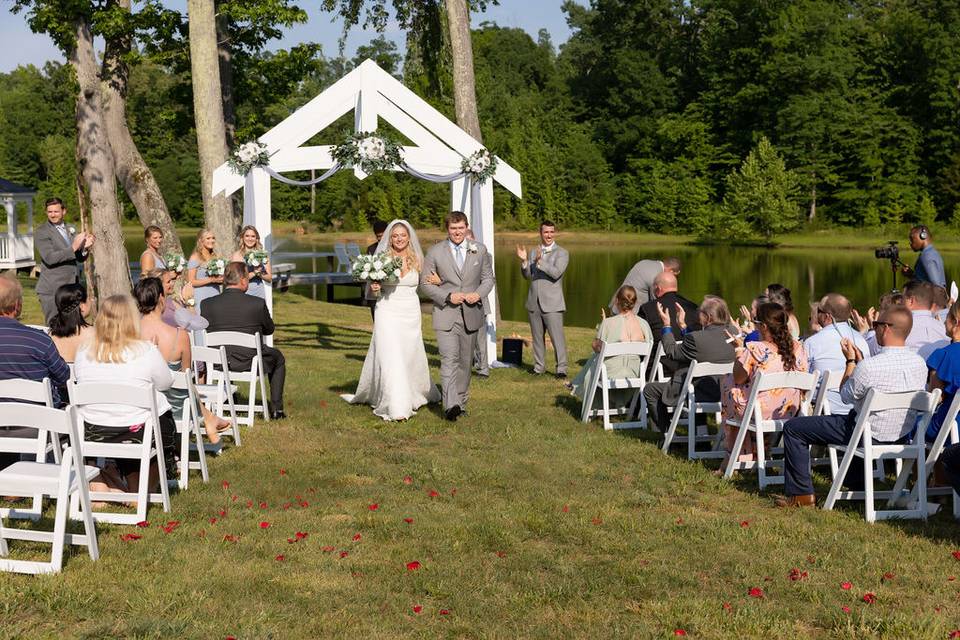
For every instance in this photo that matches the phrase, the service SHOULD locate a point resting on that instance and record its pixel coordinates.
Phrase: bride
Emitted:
(395, 379)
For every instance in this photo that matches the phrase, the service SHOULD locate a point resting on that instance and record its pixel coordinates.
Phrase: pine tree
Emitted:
(763, 193)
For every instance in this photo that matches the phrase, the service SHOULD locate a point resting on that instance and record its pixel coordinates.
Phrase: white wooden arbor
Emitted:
(16, 251)
(372, 93)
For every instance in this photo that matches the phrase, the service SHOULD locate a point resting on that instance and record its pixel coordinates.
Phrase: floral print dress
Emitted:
(775, 404)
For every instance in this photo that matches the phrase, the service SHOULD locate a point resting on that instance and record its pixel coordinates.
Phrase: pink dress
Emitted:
(774, 404)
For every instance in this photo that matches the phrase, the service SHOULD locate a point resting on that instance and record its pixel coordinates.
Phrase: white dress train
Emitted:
(395, 379)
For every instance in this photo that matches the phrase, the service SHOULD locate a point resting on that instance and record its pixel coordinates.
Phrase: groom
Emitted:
(466, 279)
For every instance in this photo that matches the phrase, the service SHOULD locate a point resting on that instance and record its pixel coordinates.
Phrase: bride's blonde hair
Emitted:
(410, 257)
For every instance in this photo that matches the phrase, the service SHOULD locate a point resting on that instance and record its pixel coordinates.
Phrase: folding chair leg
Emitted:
(606, 407)
(671, 431)
(870, 509)
(263, 393)
(761, 460)
(5, 551)
(89, 526)
(838, 478)
(185, 457)
(59, 530)
(737, 448)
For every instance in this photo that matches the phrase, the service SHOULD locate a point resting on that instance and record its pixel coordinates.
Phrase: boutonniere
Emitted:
(472, 247)
(72, 230)
(549, 249)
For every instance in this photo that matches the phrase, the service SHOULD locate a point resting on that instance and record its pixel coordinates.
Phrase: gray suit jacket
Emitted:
(60, 264)
(477, 275)
(706, 345)
(546, 279)
(641, 278)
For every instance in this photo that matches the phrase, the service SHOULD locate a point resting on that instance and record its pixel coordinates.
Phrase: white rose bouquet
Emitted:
(247, 156)
(174, 262)
(215, 267)
(480, 165)
(257, 258)
(378, 268)
(368, 150)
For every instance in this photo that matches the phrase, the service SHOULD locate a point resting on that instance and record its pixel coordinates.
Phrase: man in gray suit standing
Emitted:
(466, 278)
(544, 268)
(62, 251)
(641, 278)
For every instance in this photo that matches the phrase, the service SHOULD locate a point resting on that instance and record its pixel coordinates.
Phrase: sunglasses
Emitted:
(879, 323)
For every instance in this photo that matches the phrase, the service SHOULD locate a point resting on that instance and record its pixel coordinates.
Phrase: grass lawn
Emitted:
(525, 524)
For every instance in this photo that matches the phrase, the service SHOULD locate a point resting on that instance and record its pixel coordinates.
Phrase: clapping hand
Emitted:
(745, 320)
(664, 316)
(737, 340)
(681, 316)
(872, 315)
(522, 252)
(850, 352)
(860, 323)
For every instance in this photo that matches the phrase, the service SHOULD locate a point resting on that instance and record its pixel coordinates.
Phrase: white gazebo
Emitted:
(372, 93)
(16, 251)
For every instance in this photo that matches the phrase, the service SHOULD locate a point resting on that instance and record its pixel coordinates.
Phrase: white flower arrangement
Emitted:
(215, 267)
(247, 156)
(370, 151)
(480, 165)
(174, 262)
(256, 258)
(190, 302)
(377, 268)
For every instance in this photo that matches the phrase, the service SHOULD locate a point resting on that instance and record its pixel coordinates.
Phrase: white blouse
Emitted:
(142, 366)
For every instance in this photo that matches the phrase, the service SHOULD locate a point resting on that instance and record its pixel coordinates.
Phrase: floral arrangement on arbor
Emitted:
(479, 165)
(368, 150)
(247, 156)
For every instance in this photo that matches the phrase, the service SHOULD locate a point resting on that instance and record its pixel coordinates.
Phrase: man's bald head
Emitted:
(837, 306)
(895, 325)
(665, 282)
(11, 297)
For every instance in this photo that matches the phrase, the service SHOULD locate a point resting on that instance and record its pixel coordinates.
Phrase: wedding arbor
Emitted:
(438, 152)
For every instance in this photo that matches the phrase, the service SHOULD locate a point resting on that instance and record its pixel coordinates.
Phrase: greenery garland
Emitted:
(369, 150)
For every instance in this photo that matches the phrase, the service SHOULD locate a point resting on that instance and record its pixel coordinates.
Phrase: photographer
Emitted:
(929, 267)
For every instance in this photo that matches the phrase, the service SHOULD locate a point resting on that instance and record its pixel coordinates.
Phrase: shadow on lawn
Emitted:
(318, 335)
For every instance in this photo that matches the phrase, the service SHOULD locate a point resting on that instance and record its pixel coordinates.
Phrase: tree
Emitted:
(762, 193)
(464, 83)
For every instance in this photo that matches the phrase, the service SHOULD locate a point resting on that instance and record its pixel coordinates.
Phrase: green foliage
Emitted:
(762, 193)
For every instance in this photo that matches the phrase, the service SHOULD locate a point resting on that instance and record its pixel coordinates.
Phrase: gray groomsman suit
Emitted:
(641, 278)
(456, 325)
(59, 264)
(545, 304)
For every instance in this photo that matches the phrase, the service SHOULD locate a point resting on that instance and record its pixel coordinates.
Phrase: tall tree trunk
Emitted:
(225, 58)
(133, 172)
(96, 166)
(208, 116)
(464, 83)
(813, 202)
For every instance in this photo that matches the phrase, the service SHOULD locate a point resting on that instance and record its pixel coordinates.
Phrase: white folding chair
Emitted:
(63, 481)
(655, 370)
(33, 392)
(948, 430)
(829, 381)
(688, 401)
(861, 444)
(188, 425)
(83, 394)
(602, 382)
(217, 392)
(754, 422)
(343, 259)
(353, 250)
(256, 377)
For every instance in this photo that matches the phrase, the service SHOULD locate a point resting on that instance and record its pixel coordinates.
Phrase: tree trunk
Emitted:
(225, 58)
(133, 172)
(813, 203)
(464, 83)
(208, 116)
(96, 166)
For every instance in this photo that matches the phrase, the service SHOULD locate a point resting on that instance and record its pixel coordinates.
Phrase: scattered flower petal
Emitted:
(344, 554)
(249, 504)
(170, 526)
(744, 524)
(230, 538)
(597, 521)
(283, 472)
(263, 505)
(727, 606)
(264, 525)
(845, 609)
(846, 586)
(453, 491)
(811, 559)
(887, 577)
(304, 504)
(225, 484)
(143, 524)
(566, 508)
(408, 520)
(407, 480)
(323, 404)
(213, 520)
(679, 632)
(679, 520)
(956, 555)
(356, 537)
(233, 498)
(434, 493)
(501, 554)
(280, 558)
(300, 535)
(373, 507)
(286, 505)
(417, 608)
(755, 592)
(954, 634)
(869, 597)
(222, 513)
(327, 549)
(796, 574)
(444, 612)
(130, 537)
(413, 566)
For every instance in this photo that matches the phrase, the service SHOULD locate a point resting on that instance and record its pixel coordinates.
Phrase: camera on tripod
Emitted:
(890, 252)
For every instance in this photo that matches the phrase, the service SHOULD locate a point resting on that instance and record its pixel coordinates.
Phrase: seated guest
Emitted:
(623, 327)
(707, 345)
(176, 311)
(781, 295)
(776, 351)
(665, 290)
(174, 346)
(641, 277)
(864, 324)
(233, 310)
(895, 369)
(747, 322)
(69, 327)
(928, 333)
(941, 303)
(118, 355)
(944, 367)
(823, 349)
(25, 353)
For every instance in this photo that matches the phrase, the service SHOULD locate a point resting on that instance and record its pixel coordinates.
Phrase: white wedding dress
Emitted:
(395, 379)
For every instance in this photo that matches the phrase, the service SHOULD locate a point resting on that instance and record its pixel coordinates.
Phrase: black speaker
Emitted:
(512, 352)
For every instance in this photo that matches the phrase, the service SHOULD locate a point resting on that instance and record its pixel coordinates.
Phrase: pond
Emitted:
(735, 273)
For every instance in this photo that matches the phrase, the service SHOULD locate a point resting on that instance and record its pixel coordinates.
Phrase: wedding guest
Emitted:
(944, 366)
(151, 259)
(641, 278)
(823, 348)
(544, 268)
(69, 328)
(204, 285)
(233, 310)
(665, 294)
(710, 344)
(941, 303)
(781, 295)
(895, 369)
(178, 309)
(928, 333)
(62, 251)
(776, 351)
(864, 324)
(117, 355)
(250, 241)
(626, 326)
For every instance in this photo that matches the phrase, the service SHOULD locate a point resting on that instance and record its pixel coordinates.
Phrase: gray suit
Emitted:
(60, 265)
(545, 303)
(641, 278)
(456, 325)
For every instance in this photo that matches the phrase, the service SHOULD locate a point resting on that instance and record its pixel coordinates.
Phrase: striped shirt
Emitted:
(30, 354)
(893, 370)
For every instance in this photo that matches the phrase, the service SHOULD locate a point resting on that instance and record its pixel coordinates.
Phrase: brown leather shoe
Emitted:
(808, 500)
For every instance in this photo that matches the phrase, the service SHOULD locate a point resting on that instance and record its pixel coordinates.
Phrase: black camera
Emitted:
(890, 252)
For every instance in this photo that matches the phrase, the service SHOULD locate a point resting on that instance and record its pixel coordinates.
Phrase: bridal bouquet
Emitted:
(174, 262)
(215, 267)
(379, 268)
(256, 258)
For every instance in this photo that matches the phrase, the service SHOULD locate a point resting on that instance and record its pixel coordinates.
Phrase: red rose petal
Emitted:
(951, 578)
(344, 554)
(887, 577)
(811, 559)
(566, 508)
(453, 491)
(596, 521)
(143, 524)
(304, 504)
(846, 586)
(373, 507)
(283, 472)
(327, 549)
(417, 608)
(225, 484)
(222, 513)
(954, 634)
(130, 537)
(300, 535)
(956, 555)
(413, 566)
(230, 538)
(795, 574)
(170, 526)
(356, 537)
(744, 523)
(679, 520)
(727, 606)
(213, 521)
(755, 592)
(501, 554)
(407, 480)
(280, 558)
(286, 505)
(249, 503)
(444, 612)
(263, 505)
(230, 638)
(233, 498)
(264, 525)
(434, 493)
(679, 632)
(845, 609)
(408, 520)
(869, 597)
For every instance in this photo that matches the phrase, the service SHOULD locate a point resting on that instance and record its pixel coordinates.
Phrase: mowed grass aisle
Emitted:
(516, 522)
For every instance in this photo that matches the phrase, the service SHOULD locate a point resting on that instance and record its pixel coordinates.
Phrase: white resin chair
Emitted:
(754, 423)
(255, 376)
(63, 481)
(353, 250)
(601, 382)
(189, 426)
(343, 258)
(948, 432)
(861, 444)
(146, 452)
(217, 392)
(655, 369)
(829, 381)
(687, 403)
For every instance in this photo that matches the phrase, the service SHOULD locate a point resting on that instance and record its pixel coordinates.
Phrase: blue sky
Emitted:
(21, 46)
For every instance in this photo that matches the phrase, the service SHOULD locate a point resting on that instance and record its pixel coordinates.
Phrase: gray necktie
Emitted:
(63, 232)
(459, 256)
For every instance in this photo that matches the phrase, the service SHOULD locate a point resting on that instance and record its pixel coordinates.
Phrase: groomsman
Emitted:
(544, 268)
(62, 251)
(480, 365)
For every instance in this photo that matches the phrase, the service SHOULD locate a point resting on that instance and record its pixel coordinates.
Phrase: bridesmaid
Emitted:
(151, 258)
(250, 241)
(204, 285)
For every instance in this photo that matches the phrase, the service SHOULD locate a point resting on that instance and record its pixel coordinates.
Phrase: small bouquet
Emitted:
(479, 165)
(215, 267)
(247, 156)
(174, 262)
(256, 258)
(378, 268)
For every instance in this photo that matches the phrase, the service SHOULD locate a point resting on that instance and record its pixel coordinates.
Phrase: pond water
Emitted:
(735, 273)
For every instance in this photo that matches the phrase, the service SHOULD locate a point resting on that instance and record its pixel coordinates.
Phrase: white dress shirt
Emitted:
(893, 370)
(928, 333)
(824, 354)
